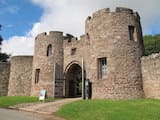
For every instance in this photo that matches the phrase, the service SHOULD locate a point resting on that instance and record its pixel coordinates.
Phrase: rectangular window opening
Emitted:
(37, 73)
(102, 70)
(132, 33)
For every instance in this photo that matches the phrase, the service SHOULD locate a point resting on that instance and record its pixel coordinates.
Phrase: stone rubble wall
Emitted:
(20, 76)
(4, 78)
(151, 75)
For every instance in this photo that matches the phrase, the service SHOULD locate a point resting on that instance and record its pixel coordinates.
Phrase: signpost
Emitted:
(42, 95)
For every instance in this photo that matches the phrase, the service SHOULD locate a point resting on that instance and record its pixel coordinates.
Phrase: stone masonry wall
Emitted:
(151, 75)
(4, 78)
(51, 67)
(81, 52)
(20, 76)
(109, 37)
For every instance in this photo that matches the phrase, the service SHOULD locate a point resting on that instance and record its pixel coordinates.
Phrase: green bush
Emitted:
(151, 44)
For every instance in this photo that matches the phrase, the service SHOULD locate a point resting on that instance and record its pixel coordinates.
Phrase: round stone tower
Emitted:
(48, 64)
(116, 46)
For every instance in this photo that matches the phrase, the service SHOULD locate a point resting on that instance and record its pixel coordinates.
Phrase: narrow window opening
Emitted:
(132, 33)
(49, 50)
(102, 71)
(37, 73)
(73, 51)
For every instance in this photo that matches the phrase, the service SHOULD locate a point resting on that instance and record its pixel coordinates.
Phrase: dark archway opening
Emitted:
(73, 86)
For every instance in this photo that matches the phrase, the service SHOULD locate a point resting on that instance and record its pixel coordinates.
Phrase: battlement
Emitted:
(122, 9)
(76, 42)
(56, 33)
(40, 35)
(19, 56)
(107, 11)
(101, 12)
(68, 40)
(44, 34)
(17, 59)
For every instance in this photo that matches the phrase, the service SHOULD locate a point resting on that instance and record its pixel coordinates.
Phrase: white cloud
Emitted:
(69, 16)
(18, 45)
(64, 14)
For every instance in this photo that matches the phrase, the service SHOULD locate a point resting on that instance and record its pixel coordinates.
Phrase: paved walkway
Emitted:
(7, 114)
(46, 108)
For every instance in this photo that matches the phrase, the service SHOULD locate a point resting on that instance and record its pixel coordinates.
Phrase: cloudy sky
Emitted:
(22, 20)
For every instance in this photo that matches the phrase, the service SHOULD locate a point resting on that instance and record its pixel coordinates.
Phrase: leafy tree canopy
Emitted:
(3, 56)
(151, 44)
(0, 35)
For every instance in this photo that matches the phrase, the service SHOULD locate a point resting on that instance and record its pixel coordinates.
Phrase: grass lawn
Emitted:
(6, 101)
(142, 109)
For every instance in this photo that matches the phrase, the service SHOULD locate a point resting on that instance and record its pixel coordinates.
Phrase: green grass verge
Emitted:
(143, 109)
(6, 101)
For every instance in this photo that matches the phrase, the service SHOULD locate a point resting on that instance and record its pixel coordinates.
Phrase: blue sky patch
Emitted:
(17, 17)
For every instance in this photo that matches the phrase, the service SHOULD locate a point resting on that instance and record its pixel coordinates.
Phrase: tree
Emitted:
(1, 39)
(3, 56)
(151, 44)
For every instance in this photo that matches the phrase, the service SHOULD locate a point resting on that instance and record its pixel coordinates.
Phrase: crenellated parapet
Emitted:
(51, 33)
(41, 35)
(74, 41)
(107, 11)
(113, 17)
(114, 24)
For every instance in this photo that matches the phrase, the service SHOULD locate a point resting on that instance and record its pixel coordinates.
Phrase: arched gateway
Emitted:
(73, 81)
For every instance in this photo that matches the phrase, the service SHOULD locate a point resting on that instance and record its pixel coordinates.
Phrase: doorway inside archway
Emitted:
(73, 86)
